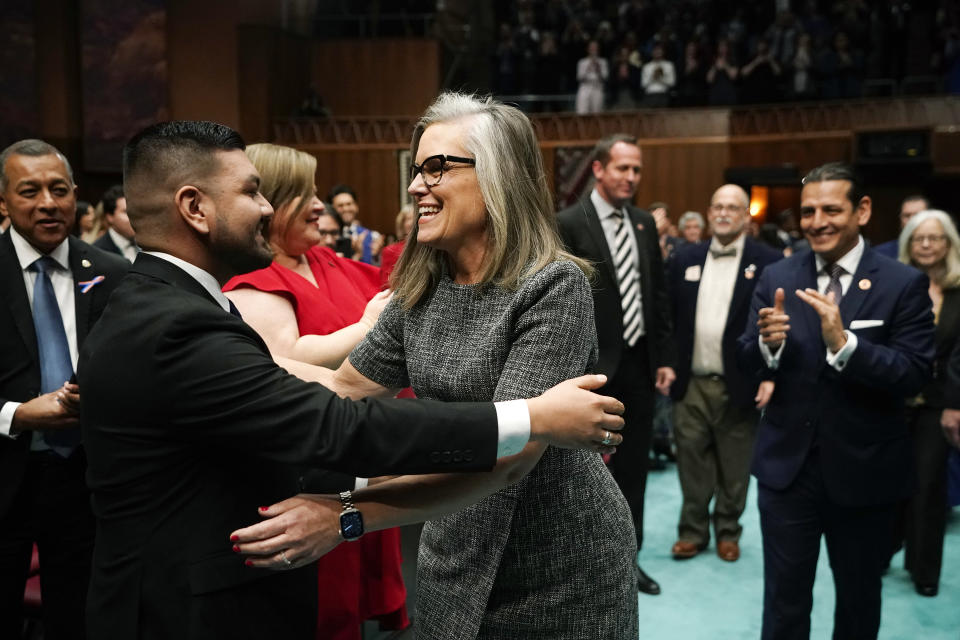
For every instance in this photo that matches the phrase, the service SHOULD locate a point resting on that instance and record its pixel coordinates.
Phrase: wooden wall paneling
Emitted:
(372, 172)
(388, 76)
(806, 151)
(681, 173)
(945, 150)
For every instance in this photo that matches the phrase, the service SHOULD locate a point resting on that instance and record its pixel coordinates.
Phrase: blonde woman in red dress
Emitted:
(313, 306)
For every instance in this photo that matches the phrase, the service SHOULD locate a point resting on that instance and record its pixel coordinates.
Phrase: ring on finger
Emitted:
(607, 439)
(286, 561)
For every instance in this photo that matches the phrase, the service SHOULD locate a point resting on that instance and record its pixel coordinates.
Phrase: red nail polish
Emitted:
(234, 538)
(264, 508)
(236, 548)
(249, 563)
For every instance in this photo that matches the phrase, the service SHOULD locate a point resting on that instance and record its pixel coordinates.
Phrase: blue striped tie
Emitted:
(56, 366)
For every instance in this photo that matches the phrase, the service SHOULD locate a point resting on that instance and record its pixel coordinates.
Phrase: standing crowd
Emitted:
(623, 54)
(191, 434)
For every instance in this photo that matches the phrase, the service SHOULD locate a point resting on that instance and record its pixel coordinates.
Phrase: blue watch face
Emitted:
(351, 525)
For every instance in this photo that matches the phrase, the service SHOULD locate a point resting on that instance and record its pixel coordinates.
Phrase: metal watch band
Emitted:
(346, 499)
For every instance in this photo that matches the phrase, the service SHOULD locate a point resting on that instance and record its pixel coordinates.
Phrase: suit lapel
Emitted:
(13, 291)
(949, 318)
(857, 294)
(170, 273)
(741, 288)
(83, 271)
(599, 239)
(806, 278)
(640, 235)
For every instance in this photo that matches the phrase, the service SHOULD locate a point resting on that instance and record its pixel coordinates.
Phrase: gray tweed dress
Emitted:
(551, 556)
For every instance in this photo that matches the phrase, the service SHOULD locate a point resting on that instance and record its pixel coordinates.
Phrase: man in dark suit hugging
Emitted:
(847, 335)
(191, 426)
(711, 284)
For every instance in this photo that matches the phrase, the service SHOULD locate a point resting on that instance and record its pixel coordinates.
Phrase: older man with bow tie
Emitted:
(715, 420)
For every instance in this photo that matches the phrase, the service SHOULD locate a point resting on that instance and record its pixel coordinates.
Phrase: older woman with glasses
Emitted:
(313, 306)
(929, 242)
(488, 306)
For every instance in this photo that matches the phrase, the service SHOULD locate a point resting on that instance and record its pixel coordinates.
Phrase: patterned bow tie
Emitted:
(723, 253)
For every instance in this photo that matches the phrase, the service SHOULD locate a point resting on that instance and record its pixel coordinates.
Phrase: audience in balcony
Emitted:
(819, 50)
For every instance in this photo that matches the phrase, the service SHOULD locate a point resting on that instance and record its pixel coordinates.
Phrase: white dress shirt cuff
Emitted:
(360, 483)
(6, 419)
(840, 359)
(772, 359)
(513, 427)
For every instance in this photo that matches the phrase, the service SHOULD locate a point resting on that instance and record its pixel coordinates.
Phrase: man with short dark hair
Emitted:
(191, 426)
(911, 206)
(631, 308)
(847, 336)
(52, 290)
(120, 237)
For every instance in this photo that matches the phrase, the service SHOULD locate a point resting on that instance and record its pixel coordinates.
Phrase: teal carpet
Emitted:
(705, 598)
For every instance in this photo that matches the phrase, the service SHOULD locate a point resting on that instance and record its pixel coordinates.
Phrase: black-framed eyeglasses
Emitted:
(432, 168)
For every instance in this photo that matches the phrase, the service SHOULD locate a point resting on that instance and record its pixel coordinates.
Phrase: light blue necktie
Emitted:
(55, 364)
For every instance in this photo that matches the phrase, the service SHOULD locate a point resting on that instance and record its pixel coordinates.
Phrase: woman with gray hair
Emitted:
(929, 242)
(488, 305)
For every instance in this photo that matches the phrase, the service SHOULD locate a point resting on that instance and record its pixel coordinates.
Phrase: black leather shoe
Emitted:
(928, 590)
(645, 584)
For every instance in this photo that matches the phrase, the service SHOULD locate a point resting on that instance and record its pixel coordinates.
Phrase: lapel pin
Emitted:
(90, 284)
(750, 272)
(639, 227)
(864, 284)
(85, 262)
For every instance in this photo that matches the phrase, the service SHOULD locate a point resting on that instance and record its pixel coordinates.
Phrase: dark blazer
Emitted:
(889, 249)
(856, 417)
(106, 243)
(190, 426)
(944, 389)
(19, 360)
(742, 388)
(583, 236)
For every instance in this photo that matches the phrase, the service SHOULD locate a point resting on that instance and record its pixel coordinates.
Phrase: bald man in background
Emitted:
(715, 413)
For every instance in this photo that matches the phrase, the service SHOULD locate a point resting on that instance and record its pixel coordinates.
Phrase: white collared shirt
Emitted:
(713, 305)
(63, 288)
(127, 247)
(609, 224)
(513, 416)
(850, 263)
(206, 280)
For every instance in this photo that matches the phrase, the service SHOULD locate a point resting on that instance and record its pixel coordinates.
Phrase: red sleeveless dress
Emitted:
(358, 580)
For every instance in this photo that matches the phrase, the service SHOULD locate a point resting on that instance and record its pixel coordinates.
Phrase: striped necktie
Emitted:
(627, 277)
(835, 271)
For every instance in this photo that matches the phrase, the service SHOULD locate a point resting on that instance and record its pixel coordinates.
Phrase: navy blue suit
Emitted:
(889, 249)
(833, 453)
(683, 294)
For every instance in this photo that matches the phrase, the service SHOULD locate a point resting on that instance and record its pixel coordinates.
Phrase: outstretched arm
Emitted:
(274, 318)
(546, 348)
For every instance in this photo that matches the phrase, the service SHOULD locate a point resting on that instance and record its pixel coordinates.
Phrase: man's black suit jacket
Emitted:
(19, 359)
(106, 243)
(583, 236)
(190, 426)
(684, 286)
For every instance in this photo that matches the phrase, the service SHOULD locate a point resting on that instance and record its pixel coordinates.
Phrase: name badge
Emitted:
(692, 274)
